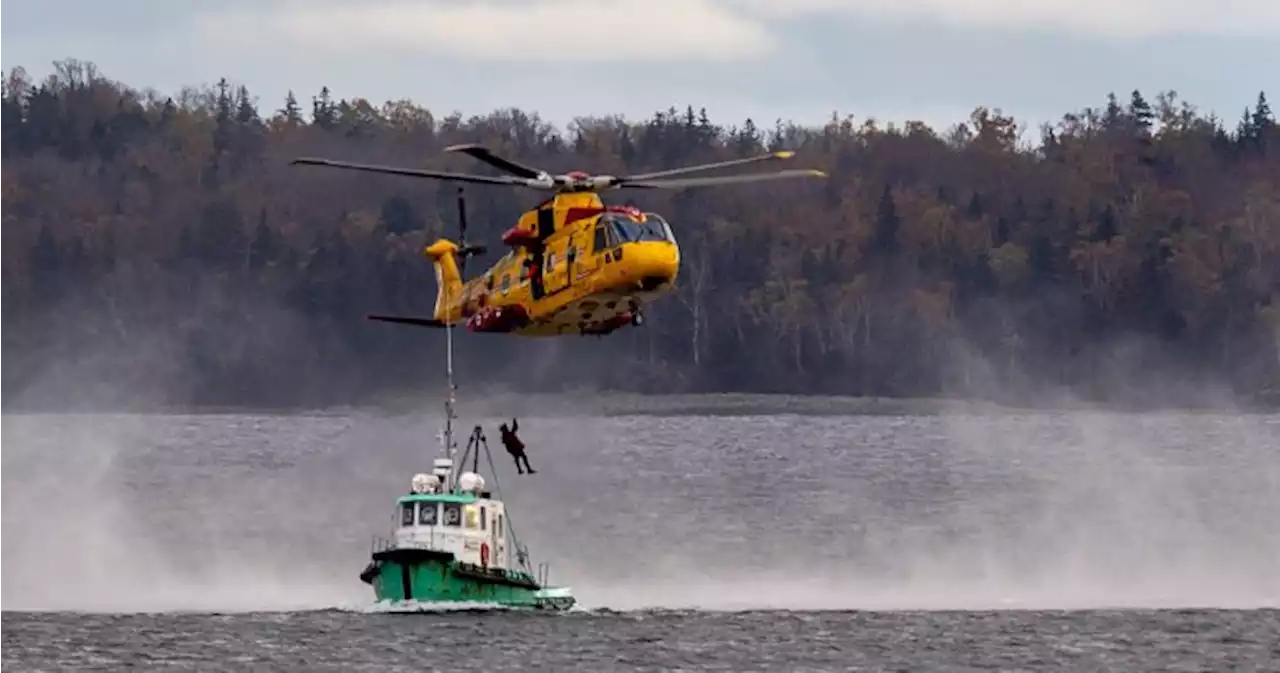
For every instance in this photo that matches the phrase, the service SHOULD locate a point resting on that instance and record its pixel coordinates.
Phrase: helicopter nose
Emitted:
(657, 264)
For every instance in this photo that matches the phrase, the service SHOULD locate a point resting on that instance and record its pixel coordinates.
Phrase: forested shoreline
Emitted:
(158, 249)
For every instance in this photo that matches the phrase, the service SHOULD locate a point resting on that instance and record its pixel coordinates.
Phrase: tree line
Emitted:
(160, 245)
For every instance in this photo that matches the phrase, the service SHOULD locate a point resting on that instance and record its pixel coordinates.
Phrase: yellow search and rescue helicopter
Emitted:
(575, 265)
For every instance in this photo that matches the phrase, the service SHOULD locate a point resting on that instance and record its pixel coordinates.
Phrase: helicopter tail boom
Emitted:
(443, 254)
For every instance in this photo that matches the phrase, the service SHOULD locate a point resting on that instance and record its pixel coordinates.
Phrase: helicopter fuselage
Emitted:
(576, 266)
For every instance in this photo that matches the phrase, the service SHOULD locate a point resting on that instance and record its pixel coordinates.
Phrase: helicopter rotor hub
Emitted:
(580, 181)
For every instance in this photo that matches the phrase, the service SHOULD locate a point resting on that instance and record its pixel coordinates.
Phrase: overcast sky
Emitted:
(932, 60)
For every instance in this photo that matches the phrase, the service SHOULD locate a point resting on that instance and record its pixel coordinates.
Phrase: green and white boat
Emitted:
(453, 543)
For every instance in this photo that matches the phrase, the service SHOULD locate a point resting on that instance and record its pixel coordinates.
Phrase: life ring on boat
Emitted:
(484, 554)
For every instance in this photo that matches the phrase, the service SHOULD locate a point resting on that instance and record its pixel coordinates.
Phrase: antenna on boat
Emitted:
(450, 398)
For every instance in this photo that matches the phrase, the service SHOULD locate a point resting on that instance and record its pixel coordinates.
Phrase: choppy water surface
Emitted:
(1011, 541)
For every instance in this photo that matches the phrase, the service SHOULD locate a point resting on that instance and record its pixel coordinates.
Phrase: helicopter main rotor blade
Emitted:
(772, 156)
(481, 153)
(412, 172)
(407, 320)
(684, 183)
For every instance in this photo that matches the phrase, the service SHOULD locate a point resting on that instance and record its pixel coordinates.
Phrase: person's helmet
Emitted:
(503, 427)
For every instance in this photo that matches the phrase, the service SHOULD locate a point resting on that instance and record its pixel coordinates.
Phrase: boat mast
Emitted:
(449, 399)
(450, 448)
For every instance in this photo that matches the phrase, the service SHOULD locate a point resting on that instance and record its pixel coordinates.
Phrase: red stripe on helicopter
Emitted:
(574, 214)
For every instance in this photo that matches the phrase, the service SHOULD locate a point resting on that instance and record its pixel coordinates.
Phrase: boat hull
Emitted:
(417, 576)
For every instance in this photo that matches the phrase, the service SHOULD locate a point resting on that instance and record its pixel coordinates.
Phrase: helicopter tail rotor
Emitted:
(462, 252)
(465, 250)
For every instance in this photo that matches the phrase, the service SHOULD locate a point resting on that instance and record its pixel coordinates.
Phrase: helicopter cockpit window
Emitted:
(659, 224)
(427, 513)
(628, 230)
(621, 233)
(452, 514)
(651, 230)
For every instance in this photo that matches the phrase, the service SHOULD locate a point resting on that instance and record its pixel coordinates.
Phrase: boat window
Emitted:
(452, 514)
(499, 524)
(470, 515)
(406, 514)
(506, 282)
(483, 518)
(427, 512)
(488, 279)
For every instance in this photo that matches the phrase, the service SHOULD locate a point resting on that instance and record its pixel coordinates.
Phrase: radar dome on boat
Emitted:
(470, 481)
(425, 483)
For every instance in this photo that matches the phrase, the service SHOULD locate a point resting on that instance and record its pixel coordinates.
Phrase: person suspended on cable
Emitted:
(514, 446)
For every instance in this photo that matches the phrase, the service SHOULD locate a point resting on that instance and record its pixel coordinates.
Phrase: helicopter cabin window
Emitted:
(406, 514)
(601, 241)
(427, 513)
(452, 514)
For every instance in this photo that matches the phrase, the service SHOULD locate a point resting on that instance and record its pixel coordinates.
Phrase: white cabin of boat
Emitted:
(465, 522)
